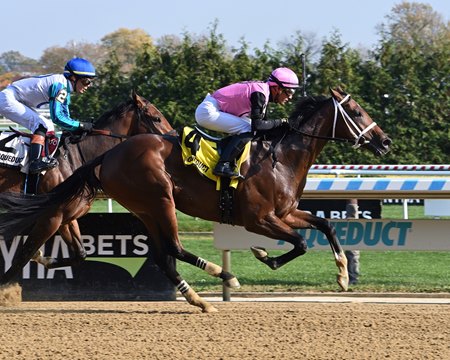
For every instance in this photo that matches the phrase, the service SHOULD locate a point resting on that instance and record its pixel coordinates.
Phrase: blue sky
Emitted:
(32, 26)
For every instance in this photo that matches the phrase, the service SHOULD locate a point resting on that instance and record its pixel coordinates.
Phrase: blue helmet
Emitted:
(79, 67)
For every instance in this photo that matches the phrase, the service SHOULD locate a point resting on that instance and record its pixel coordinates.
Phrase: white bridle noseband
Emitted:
(353, 128)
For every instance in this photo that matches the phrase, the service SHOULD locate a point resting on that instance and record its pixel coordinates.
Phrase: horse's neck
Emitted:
(87, 149)
(119, 127)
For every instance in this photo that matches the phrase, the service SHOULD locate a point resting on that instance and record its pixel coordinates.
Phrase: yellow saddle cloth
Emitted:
(202, 153)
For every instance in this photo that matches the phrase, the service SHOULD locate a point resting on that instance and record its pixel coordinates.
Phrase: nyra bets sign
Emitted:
(118, 266)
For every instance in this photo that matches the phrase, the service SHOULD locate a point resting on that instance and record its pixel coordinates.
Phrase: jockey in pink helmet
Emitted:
(240, 109)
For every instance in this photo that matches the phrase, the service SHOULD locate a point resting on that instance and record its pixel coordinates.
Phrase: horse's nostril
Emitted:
(387, 142)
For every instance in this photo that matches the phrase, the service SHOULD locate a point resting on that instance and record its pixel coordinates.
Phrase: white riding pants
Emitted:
(14, 110)
(209, 116)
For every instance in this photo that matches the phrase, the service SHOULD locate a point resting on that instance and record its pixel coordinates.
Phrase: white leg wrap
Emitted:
(183, 287)
(213, 269)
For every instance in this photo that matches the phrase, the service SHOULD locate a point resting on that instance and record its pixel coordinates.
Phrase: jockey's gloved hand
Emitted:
(86, 126)
(284, 120)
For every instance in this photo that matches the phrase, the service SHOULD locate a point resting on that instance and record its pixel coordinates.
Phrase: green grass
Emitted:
(381, 271)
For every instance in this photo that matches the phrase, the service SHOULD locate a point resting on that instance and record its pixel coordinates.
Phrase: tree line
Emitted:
(403, 82)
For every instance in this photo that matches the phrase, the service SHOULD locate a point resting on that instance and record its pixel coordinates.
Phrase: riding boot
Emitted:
(225, 166)
(38, 163)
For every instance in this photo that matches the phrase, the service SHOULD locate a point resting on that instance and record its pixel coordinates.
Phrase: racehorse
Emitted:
(135, 116)
(147, 176)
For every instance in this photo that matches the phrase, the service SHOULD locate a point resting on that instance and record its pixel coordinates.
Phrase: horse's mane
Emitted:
(116, 112)
(305, 108)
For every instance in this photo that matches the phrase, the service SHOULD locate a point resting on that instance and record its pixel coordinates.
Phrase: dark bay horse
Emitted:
(135, 116)
(147, 176)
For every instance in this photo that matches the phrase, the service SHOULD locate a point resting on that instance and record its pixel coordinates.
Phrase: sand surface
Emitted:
(240, 330)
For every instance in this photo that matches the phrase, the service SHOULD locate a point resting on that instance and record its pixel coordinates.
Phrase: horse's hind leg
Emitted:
(38, 235)
(71, 235)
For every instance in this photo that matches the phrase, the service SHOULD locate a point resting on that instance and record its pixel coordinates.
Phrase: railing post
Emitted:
(352, 255)
(226, 265)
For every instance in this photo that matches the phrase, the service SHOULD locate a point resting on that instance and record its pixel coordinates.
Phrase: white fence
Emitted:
(423, 182)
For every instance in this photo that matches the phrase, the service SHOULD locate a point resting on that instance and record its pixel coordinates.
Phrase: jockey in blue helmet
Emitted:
(19, 101)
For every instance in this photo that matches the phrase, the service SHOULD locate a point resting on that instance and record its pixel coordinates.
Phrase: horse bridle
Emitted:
(357, 133)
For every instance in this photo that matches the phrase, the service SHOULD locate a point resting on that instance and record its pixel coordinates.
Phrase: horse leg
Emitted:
(167, 264)
(273, 227)
(176, 249)
(299, 219)
(71, 235)
(38, 235)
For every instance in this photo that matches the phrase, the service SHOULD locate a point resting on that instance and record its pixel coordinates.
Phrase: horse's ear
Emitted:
(133, 94)
(337, 93)
(138, 100)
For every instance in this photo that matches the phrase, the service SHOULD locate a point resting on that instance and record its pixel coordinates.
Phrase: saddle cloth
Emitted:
(203, 154)
(14, 150)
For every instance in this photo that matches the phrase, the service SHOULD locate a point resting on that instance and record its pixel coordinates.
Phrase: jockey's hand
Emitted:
(86, 126)
(284, 120)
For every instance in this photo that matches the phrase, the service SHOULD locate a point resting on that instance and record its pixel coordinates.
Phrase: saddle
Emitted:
(203, 151)
(15, 146)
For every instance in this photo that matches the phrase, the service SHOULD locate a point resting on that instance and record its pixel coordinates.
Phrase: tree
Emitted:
(15, 62)
(54, 58)
(413, 55)
(108, 90)
(414, 24)
(125, 44)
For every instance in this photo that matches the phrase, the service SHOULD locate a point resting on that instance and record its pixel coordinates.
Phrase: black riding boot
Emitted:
(225, 166)
(37, 162)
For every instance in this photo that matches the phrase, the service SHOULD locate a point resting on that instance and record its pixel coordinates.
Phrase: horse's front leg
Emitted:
(273, 227)
(163, 238)
(71, 235)
(299, 219)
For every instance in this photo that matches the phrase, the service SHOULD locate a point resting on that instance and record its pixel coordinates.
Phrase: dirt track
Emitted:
(240, 330)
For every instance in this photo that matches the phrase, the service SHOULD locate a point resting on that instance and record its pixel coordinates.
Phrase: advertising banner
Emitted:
(118, 265)
(357, 234)
(368, 232)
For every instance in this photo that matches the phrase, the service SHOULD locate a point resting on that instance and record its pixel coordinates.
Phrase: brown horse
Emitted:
(135, 116)
(147, 176)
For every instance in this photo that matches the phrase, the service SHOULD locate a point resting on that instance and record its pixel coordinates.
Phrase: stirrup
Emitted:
(224, 170)
(39, 165)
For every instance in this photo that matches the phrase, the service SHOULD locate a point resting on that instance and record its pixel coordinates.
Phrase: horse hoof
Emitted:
(259, 252)
(37, 255)
(232, 283)
(209, 309)
(343, 282)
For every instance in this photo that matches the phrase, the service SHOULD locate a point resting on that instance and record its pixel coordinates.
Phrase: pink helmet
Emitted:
(283, 77)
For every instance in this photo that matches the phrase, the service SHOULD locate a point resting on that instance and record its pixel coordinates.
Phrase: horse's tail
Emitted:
(19, 212)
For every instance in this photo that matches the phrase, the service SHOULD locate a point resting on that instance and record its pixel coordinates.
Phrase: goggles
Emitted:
(86, 81)
(288, 91)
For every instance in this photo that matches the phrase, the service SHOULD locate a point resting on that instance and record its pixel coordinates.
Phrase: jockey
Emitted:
(240, 109)
(19, 99)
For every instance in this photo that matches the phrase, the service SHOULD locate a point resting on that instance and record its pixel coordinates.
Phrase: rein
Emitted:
(358, 134)
(108, 133)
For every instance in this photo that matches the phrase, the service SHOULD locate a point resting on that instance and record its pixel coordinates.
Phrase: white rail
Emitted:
(415, 170)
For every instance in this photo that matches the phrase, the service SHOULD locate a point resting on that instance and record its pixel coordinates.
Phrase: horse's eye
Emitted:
(358, 114)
